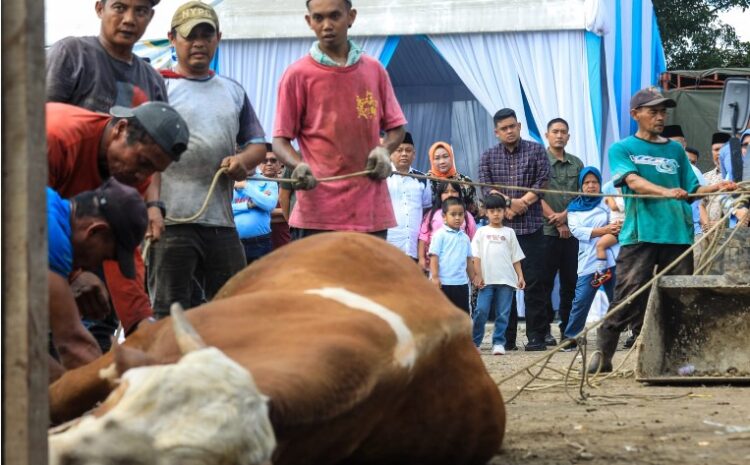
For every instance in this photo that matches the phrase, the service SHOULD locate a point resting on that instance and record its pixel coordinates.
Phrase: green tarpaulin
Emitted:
(697, 112)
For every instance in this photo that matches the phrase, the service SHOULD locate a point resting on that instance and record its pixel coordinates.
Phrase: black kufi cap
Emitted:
(720, 138)
(674, 130)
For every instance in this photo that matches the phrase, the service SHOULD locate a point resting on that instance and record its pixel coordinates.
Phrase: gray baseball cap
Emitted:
(650, 97)
(162, 123)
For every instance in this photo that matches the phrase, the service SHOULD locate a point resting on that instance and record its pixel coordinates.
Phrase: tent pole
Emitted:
(24, 238)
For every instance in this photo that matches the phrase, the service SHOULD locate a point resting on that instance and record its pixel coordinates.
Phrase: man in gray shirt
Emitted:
(100, 72)
(196, 258)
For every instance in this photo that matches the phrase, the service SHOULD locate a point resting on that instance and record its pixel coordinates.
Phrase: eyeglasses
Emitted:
(270, 160)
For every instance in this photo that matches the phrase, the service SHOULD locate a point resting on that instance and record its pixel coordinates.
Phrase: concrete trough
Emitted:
(696, 331)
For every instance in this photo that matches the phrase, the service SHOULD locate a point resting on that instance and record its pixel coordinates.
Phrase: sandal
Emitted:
(601, 278)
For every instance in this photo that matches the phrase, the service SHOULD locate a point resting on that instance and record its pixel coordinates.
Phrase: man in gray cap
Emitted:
(656, 231)
(195, 259)
(104, 224)
(85, 148)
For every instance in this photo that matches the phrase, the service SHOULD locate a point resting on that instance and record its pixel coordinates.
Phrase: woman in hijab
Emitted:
(443, 165)
(589, 220)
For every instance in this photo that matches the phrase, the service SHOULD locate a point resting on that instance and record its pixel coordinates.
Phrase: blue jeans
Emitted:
(585, 294)
(256, 247)
(500, 297)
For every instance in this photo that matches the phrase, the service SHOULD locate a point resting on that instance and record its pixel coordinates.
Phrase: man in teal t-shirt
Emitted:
(656, 231)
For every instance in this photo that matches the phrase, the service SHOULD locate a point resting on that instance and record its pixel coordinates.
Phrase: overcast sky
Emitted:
(740, 20)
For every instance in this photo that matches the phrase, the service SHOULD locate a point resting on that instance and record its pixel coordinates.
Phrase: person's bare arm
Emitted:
(519, 272)
(726, 186)
(703, 213)
(612, 228)
(470, 269)
(155, 218)
(74, 343)
(283, 149)
(285, 201)
(641, 186)
(547, 211)
(478, 279)
(422, 254)
(241, 165)
(393, 138)
(612, 204)
(434, 269)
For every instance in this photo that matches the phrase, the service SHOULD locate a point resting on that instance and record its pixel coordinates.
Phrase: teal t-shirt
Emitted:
(660, 221)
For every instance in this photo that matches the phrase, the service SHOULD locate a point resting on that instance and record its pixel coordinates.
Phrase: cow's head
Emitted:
(204, 409)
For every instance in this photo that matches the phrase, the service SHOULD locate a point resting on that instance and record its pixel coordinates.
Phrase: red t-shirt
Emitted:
(336, 114)
(73, 139)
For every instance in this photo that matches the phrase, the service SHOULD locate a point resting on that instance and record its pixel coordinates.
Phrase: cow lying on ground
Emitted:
(362, 359)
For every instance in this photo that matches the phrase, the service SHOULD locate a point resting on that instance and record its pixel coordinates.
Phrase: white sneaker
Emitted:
(497, 349)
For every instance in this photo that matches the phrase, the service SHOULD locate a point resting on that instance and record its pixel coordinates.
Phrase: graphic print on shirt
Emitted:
(367, 107)
(662, 165)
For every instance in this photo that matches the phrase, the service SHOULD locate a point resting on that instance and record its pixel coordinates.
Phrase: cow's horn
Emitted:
(188, 339)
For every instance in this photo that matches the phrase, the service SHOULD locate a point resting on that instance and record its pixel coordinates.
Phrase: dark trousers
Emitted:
(300, 233)
(534, 294)
(190, 263)
(635, 267)
(256, 247)
(560, 256)
(458, 295)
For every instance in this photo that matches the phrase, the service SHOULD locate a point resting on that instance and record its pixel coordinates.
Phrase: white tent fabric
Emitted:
(259, 64)
(552, 68)
(484, 65)
(472, 133)
(279, 19)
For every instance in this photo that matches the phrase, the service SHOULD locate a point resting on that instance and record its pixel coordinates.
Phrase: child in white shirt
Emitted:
(497, 273)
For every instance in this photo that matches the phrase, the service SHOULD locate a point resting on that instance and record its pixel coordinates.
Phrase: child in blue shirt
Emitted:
(450, 252)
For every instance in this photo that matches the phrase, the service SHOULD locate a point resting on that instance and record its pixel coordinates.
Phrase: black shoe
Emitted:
(550, 340)
(570, 348)
(536, 347)
(630, 342)
(511, 348)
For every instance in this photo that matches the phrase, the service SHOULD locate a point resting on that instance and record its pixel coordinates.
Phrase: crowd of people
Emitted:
(135, 167)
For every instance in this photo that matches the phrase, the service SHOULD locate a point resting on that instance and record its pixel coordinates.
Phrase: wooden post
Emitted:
(24, 238)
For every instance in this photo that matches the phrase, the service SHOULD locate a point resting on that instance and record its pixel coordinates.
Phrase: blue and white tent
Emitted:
(452, 63)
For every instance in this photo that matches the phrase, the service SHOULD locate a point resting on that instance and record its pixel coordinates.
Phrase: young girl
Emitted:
(433, 220)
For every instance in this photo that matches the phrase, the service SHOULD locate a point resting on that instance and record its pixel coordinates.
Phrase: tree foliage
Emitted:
(695, 38)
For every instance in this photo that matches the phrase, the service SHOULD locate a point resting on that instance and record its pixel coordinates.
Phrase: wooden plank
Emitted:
(24, 238)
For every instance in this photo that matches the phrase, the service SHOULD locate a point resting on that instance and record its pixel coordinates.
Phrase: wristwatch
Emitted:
(158, 204)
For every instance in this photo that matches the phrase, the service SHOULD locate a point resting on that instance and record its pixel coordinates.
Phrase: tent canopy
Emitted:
(278, 19)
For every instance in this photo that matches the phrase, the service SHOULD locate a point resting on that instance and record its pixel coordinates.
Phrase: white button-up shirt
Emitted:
(409, 197)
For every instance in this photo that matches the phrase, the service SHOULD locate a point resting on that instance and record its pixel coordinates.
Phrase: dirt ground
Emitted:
(639, 424)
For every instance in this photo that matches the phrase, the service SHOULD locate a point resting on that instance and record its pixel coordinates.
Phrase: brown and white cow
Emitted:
(362, 359)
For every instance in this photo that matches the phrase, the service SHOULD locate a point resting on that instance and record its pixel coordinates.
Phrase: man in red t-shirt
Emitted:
(85, 148)
(335, 102)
